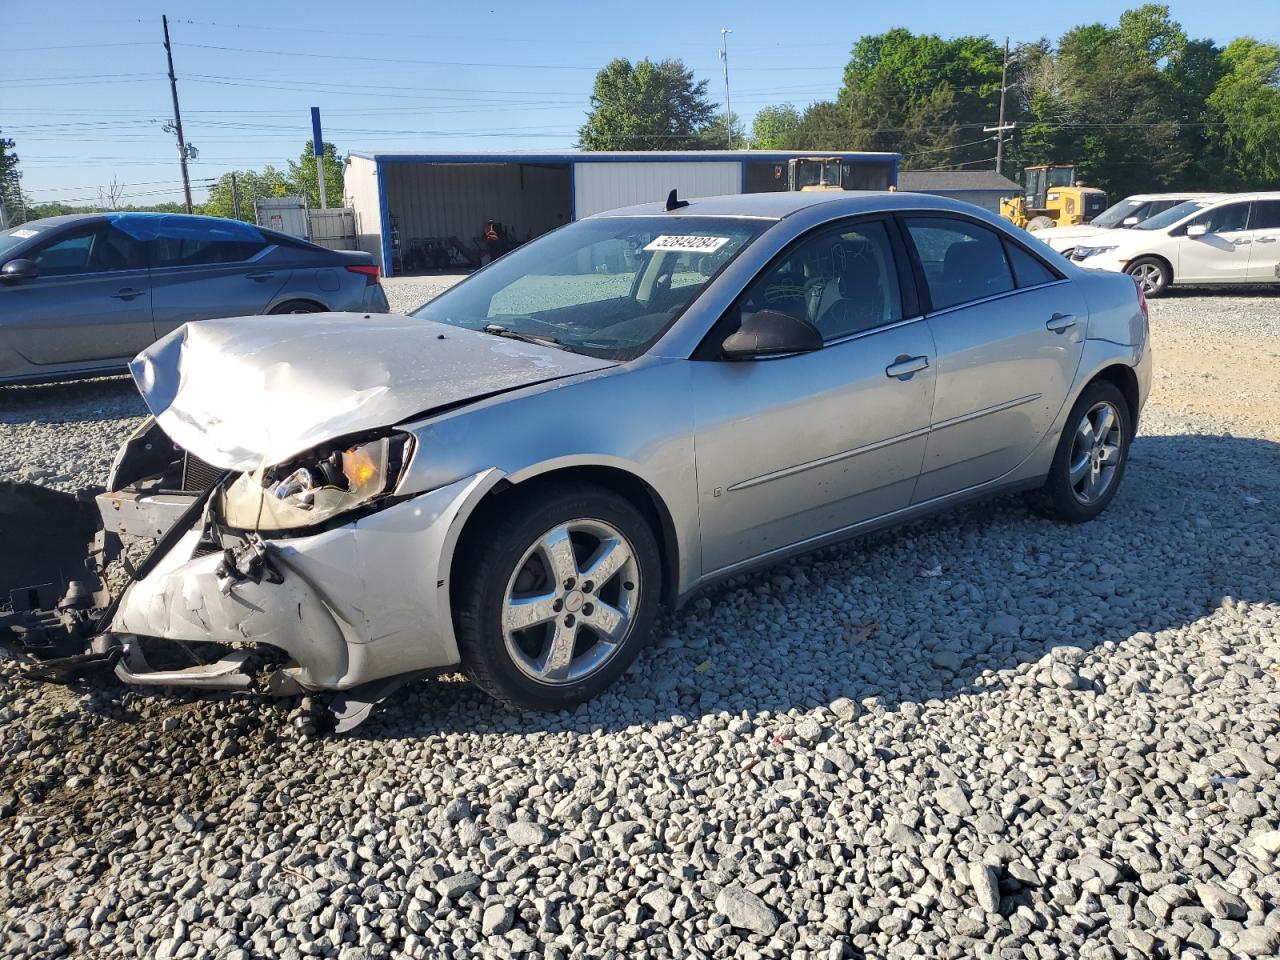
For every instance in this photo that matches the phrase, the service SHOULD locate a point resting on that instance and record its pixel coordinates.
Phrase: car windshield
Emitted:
(605, 287)
(1114, 215)
(10, 239)
(1172, 215)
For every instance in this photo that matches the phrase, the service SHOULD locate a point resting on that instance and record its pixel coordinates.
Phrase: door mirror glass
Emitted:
(16, 270)
(770, 333)
(1197, 230)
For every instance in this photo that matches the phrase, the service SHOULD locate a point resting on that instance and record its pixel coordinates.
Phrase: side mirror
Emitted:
(16, 270)
(1197, 230)
(1129, 221)
(769, 333)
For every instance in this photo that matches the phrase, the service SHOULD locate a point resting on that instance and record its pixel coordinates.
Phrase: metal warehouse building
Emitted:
(983, 187)
(409, 205)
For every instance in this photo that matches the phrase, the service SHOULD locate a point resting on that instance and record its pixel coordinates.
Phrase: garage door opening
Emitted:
(458, 216)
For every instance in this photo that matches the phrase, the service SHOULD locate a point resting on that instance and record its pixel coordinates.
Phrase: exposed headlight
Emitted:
(1083, 253)
(315, 487)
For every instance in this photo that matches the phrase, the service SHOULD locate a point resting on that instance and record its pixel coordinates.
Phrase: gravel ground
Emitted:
(983, 735)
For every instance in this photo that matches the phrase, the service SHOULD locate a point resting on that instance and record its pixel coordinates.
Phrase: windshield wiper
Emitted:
(498, 330)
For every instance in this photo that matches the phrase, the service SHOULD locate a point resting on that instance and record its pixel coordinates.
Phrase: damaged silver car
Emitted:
(512, 480)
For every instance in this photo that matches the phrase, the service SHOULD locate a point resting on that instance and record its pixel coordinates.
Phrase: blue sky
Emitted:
(83, 88)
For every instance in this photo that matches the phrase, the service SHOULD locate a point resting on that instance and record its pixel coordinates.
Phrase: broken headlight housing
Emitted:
(316, 487)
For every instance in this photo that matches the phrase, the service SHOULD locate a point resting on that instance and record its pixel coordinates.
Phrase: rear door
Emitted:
(91, 301)
(1222, 254)
(203, 268)
(1009, 332)
(1264, 252)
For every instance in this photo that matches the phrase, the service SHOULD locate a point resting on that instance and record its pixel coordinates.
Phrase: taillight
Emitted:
(370, 270)
(1142, 299)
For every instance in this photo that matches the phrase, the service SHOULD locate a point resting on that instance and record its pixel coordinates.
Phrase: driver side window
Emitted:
(842, 280)
(1225, 219)
(98, 248)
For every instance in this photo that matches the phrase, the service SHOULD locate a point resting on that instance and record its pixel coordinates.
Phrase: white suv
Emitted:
(1234, 239)
(1128, 212)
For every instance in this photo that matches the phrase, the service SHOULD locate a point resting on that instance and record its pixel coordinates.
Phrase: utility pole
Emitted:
(724, 56)
(177, 115)
(1004, 86)
(235, 195)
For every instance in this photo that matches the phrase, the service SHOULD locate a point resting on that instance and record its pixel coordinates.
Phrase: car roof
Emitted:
(775, 206)
(1174, 195)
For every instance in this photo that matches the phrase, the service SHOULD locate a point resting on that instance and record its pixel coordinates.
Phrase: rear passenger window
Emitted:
(1266, 215)
(1028, 271)
(188, 243)
(962, 261)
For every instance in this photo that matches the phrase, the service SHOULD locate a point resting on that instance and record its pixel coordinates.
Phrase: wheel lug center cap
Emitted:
(573, 601)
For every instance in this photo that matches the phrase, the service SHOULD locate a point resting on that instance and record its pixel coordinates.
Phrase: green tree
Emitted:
(302, 176)
(646, 106)
(774, 127)
(714, 137)
(10, 182)
(251, 185)
(1149, 33)
(1247, 99)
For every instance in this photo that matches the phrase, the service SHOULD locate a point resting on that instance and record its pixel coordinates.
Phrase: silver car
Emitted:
(83, 294)
(513, 479)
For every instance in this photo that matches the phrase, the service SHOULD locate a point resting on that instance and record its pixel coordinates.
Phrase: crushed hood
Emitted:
(248, 391)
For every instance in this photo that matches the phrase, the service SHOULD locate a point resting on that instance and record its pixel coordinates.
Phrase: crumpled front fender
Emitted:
(356, 603)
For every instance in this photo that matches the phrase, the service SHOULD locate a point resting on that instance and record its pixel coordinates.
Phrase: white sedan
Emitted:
(1231, 240)
(1128, 212)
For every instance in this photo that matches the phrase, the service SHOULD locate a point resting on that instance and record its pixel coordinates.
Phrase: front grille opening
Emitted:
(197, 476)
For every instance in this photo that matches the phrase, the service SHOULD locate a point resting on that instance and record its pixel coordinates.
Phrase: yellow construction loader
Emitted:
(1054, 197)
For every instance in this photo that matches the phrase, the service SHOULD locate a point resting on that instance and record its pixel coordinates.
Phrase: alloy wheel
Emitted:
(1095, 452)
(1149, 277)
(570, 603)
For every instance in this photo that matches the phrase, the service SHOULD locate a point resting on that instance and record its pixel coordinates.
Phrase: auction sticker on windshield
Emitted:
(687, 244)
(24, 234)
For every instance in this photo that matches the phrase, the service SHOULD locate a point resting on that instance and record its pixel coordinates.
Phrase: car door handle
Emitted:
(904, 366)
(1242, 241)
(1265, 240)
(128, 293)
(1059, 322)
(259, 276)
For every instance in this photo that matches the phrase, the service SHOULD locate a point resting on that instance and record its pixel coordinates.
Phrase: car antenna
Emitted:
(673, 203)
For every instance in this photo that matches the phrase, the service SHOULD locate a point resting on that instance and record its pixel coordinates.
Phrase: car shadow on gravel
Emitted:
(936, 609)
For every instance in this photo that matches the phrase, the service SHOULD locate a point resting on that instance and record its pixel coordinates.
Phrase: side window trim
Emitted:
(912, 305)
(1055, 273)
(922, 282)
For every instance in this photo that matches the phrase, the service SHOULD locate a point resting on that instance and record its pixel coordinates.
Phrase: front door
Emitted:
(89, 303)
(1221, 255)
(1009, 333)
(794, 447)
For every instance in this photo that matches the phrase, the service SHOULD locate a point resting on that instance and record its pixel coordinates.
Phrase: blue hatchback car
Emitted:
(84, 294)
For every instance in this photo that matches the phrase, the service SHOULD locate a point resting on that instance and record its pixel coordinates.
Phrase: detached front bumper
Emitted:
(353, 604)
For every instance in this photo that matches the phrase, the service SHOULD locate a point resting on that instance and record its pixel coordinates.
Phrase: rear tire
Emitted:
(1151, 274)
(1041, 223)
(536, 627)
(296, 306)
(1092, 453)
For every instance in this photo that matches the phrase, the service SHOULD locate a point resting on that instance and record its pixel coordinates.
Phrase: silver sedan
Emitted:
(610, 418)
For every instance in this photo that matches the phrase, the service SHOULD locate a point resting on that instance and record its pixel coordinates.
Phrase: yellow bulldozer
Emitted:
(1053, 197)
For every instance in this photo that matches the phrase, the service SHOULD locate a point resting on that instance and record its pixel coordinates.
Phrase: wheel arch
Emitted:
(282, 301)
(626, 484)
(1123, 377)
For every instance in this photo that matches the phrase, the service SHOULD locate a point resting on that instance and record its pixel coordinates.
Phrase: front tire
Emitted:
(1152, 275)
(555, 596)
(1092, 453)
(1040, 223)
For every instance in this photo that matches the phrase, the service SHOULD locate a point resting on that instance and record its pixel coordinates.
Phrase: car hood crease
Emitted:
(247, 391)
